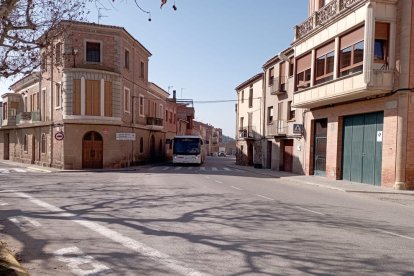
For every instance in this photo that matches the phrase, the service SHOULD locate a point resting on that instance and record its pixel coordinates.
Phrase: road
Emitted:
(208, 220)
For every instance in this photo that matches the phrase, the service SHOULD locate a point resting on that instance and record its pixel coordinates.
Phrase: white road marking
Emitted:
(165, 168)
(18, 170)
(125, 241)
(3, 204)
(394, 234)
(178, 168)
(4, 171)
(214, 169)
(304, 209)
(219, 182)
(80, 264)
(202, 168)
(227, 169)
(19, 221)
(152, 168)
(265, 197)
(39, 169)
(237, 188)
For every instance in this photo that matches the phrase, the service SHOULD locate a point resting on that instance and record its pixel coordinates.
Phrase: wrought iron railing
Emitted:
(278, 85)
(325, 14)
(276, 127)
(248, 132)
(28, 117)
(152, 121)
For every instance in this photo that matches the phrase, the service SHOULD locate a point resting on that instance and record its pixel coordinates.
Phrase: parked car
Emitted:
(222, 154)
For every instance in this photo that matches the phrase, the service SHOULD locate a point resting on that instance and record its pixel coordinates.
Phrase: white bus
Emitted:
(188, 149)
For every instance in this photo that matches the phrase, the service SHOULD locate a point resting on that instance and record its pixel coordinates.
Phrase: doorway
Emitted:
(92, 151)
(287, 165)
(250, 154)
(6, 152)
(320, 141)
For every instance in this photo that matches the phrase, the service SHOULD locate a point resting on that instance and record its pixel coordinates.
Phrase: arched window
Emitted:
(43, 145)
(141, 145)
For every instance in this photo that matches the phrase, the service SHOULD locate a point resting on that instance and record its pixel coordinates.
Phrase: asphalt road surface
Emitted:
(188, 220)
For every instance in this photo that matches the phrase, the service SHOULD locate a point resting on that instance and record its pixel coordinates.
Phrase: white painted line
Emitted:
(178, 168)
(16, 221)
(4, 171)
(304, 209)
(32, 222)
(152, 168)
(227, 169)
(219, 182)
(202, 168)
(237, 188)
(125, 241)
(38, 169)
(18, 170)
(214, 169)
(165, 168)
(394, 234)
(265, 197)
(80, 264)
(3, 204)
(19, 222)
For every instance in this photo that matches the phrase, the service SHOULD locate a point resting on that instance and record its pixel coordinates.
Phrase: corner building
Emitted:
(354, 78)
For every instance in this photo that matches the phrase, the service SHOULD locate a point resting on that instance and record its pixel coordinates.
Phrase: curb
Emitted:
(8, 263)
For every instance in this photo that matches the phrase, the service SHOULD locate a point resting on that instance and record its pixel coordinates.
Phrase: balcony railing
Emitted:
(248, 132)
(28, 117)
(278, 85)
(152, 121)
(276, 127)
(327, 13)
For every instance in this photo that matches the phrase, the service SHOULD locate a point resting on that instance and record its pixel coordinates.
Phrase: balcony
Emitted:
(28, 117)
(278, 86)
(10, 118)
(346, 89)
(155, 123)
(277, 128)
(249, 133)
(330, 11)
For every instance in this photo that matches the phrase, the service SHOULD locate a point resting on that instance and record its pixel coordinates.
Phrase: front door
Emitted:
(6, 152)
(92, 151)
(320, 134)
(362, 148)
(287, 155)
(250, 154)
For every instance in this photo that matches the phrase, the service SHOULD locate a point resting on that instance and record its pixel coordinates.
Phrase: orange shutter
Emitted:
(352, 38)
(327, 48)
(108, 99)
(76, 98)
(381, 30)
(96, 103)
(88, 97)
(303, 63)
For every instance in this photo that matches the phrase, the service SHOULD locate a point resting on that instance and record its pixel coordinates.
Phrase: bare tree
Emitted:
(27, 26)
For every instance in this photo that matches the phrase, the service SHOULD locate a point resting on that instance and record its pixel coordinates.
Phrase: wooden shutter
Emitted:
(382, 30)
(76, 97)
(88, 97)
(108, 99)
(304, 63)
(327, 48)
(96, 101)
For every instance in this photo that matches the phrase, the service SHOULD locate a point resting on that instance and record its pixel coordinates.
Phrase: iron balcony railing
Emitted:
(278, 85)
(276, 127)
(28, 117)
(325, 14)
(248, 132)
(152, 121)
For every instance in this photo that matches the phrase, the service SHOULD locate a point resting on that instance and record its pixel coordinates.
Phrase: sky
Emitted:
(205, 48)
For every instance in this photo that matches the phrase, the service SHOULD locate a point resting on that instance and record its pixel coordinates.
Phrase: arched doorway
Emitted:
(92, 151)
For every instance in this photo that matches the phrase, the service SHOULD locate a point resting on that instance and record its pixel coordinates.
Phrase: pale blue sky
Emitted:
(207, 47)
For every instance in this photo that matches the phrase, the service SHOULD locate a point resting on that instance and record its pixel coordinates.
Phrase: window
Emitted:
(26, 106)
(291, 67)
(141, 145)
(251, 96)
(241, 122)
(161, 112)
(282, 76)
(270, 114)
(25, 143)
(43, 64)
(271, 76)
(303, 75)
(141, 105)
(381, 43)
(291, 111)
(351, 59)
(93, 52)
(127, 96)
(351, 55)
(5, 111)
(58, 53)
(58, 93)
(242, 96)
(92, 98)
(126, 59)
(43, 143)
(142, 72)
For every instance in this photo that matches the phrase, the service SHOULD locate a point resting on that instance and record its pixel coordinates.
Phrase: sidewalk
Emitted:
(323, 182)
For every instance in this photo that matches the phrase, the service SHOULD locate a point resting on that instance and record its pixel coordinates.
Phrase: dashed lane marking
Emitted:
(237, 188)
(178, 168)
(265, 197)
(227, 169)
(395, 234)
(308, 210)
(217, 181)
(125, 241)
(214, 169)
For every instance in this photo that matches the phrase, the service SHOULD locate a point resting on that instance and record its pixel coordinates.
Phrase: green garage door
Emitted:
(362, 148)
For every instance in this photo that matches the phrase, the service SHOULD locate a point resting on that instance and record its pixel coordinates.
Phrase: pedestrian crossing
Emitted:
(193, 169)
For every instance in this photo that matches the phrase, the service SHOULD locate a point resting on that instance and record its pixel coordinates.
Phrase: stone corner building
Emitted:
(91, 106)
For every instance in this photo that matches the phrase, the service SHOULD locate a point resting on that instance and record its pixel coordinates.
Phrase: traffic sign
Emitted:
(59, 135)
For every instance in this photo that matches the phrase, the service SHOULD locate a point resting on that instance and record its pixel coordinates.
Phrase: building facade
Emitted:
(91, 106)
(249, 124)
(354, 76)
(283, 124)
